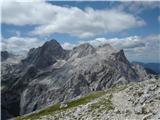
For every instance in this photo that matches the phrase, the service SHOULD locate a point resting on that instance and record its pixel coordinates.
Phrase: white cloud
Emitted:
(125, 43)
(137, 7)
(71, 20)
(25, 13)
(89, 22)
(137, 48)
(68, 46)
(20, 45)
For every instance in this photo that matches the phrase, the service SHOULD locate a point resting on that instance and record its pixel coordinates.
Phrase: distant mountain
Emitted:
(10, 58)
(151, 67)
(4, 55)
(50, 74)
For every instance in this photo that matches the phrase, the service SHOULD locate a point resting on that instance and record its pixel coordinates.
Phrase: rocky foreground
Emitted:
(135, 101)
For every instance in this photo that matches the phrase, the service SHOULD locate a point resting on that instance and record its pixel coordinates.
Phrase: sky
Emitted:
(131, 26)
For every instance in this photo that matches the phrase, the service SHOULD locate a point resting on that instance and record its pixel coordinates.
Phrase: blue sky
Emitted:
(125, 25)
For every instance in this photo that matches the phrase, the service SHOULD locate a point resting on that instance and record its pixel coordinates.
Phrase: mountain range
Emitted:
(50, 74)
(152, 67)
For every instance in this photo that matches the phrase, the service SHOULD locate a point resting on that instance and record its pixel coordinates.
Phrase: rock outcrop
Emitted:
(4, 55)
(50, 74)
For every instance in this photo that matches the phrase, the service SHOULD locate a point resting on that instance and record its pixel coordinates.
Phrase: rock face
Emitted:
(4, 55)
(45, 55)
(140, 71)
(50, 74)
(83, 50)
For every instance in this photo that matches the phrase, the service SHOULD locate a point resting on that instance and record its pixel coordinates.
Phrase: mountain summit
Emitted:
(50, 74)
(45, 55)
(83, 50)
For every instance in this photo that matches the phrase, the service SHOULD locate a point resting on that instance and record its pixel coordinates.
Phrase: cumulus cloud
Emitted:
(149, 53)
(136, 48)
(34, 12)
(121, 43)
(137, 7)
(20, 45)
(68, 46)
(50, 19)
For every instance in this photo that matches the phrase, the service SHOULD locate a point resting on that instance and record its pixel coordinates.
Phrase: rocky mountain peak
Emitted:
(83, 46)
(53, 44)
(45, 55)
(121, 56)
(83, 50)
(107, 47)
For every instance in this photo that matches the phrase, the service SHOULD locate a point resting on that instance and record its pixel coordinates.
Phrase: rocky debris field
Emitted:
(134, 101)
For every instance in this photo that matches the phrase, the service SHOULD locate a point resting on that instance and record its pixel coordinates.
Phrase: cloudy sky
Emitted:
(132, 26)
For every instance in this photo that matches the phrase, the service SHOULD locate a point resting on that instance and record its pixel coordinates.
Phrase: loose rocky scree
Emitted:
(135, 101)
